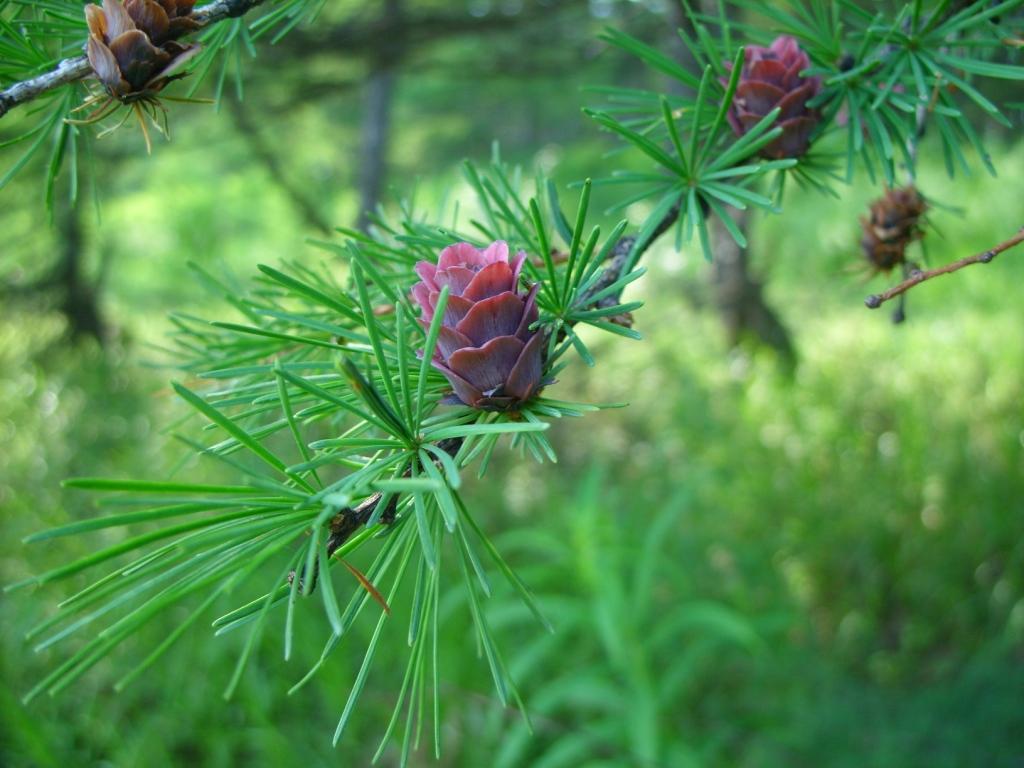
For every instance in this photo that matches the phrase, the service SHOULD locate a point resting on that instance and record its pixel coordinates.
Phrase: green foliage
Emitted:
(796, 504)
(321, 397)
(36, 36)
(311, 356)
(706, 171)
(626, 650)
(884, 76)
(883, 70)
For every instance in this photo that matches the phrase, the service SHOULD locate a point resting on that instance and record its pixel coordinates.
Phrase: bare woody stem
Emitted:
(620, 257)
(350, 519)
(76, 68)
(918, 276)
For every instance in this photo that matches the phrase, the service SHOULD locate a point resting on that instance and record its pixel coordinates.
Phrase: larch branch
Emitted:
(620, 258)
(76, 68)
(918, 276)
(350, 519)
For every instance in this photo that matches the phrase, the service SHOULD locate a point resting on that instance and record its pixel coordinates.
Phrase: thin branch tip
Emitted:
(918, 276)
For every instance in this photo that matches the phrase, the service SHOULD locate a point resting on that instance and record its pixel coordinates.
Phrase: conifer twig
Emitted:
(620, 257)
(918, 276)
(348, 520)
(77, 67)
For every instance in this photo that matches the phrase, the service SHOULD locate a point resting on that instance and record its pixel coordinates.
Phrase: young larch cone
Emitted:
(485, 349)
(771, 78)
(131, 45)
(893, 223)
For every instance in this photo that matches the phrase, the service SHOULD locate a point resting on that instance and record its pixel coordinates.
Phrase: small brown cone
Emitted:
(893, 223)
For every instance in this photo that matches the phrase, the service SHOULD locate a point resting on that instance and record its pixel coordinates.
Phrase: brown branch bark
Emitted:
(350, 519)
(76, 68)
(919, 276)
(619, 258)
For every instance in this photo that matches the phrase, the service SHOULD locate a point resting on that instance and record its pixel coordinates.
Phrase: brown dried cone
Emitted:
(131, 46)
(894, 223)
(133, 52)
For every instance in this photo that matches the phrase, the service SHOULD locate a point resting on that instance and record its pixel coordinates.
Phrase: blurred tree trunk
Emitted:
(77, 298)
(739, 297)
(265, 153)
(380, 88)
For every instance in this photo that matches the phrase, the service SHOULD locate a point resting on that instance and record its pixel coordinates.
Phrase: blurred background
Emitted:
(800, 545)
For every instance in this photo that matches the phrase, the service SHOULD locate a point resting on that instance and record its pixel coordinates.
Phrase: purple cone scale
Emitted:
(485, 349)
(771, 78)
